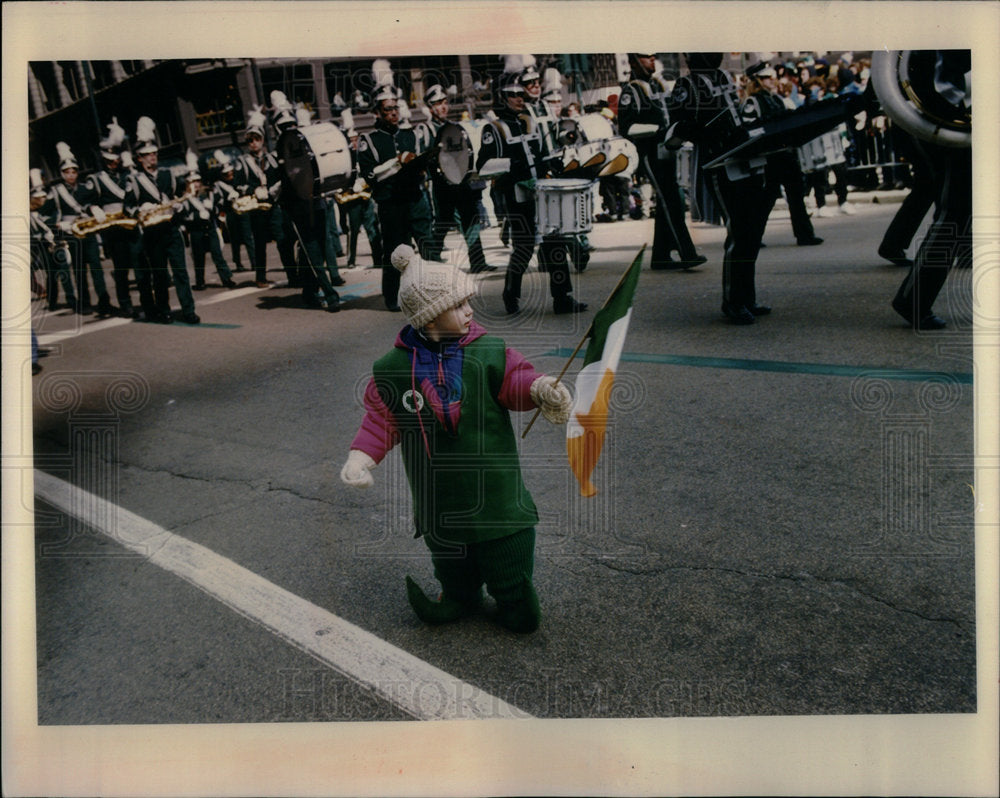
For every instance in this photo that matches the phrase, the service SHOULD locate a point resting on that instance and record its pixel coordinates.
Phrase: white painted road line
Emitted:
(416, 687)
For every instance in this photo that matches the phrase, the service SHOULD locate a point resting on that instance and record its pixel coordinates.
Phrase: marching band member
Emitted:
(237, 222)
(45, 250)
(282, 118)
(109, 190)
(643, 118)
(72, 198)
(510, 149)
(200, 215)
(704, 107)
(304, 221)
(450, 199)
(783, 168)
(357, 207)
(254, 173)
(577, 246)
(154, 197)
(389, 159)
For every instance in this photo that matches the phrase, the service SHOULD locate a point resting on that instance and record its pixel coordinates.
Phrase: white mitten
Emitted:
(98, 213)
(357, 470)
(553, 398)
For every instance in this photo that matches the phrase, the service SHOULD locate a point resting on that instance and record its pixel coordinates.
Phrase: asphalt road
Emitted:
(784, 524)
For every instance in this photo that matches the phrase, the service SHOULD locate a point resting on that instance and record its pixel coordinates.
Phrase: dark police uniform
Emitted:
(404, 213)
(641, 105)
(162, 246)
(705, 108)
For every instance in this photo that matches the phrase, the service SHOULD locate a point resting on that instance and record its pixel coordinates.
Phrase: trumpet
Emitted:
(249, 203)
(84, 226)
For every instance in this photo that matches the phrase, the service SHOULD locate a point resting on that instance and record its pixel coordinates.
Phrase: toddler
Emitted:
(444, 394)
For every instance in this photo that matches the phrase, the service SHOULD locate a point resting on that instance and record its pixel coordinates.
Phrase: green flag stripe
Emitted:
(615, 308)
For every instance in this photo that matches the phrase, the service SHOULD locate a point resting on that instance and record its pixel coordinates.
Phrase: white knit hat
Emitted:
(428, 289)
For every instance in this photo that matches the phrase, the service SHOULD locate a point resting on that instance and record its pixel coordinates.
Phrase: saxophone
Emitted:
(158, 214)
(84, 226)
(249, 203)
(342, 196)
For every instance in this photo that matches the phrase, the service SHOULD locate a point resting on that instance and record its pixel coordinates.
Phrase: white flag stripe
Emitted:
(588, 381)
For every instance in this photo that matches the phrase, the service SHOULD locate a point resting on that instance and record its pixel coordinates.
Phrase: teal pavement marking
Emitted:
(829, 369)
(214, 326)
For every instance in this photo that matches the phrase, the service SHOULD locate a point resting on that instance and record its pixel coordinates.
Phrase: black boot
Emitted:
(512, 292)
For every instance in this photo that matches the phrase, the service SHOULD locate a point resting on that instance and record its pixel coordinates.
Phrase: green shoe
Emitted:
(523, 615)
(445, 610)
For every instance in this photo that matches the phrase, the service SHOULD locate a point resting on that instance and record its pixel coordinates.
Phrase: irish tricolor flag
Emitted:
(587, 422)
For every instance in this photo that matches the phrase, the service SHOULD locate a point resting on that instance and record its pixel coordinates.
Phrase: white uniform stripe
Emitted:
(416, 687)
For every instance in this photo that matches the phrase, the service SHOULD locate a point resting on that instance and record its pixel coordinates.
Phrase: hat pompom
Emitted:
(401, 256)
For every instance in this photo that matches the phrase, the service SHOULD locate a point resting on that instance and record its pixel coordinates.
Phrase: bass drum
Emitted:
(315, 159)
(457, 147)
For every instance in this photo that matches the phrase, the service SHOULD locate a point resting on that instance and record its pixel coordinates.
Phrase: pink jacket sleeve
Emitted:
(378, 432)
(515, 392)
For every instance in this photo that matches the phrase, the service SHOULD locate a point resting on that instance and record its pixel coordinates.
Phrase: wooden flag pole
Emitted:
(583, 340)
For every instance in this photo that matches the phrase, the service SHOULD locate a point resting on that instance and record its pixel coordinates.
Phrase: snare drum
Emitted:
(823, 151)
(458, 145)
(563, 206)
(315, 159)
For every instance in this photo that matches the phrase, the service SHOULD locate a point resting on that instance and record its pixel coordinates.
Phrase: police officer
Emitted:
(391, 160)
(643, 118)
(783, 169)
(71, 199)
(705, 109)
(108, 191)
(509, 147)
(155, 191)
(450, 199)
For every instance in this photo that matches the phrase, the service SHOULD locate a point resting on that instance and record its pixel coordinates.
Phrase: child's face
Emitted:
(453, 323)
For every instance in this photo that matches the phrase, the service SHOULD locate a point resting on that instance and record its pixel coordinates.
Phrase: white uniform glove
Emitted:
(98, 213)
(357, 470)
(260, 193)
(553, 398)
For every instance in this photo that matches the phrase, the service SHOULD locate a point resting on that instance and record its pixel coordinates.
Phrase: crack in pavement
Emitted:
(801, 580)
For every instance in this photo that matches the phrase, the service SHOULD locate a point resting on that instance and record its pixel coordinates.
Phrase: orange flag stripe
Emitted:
(584, 450)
